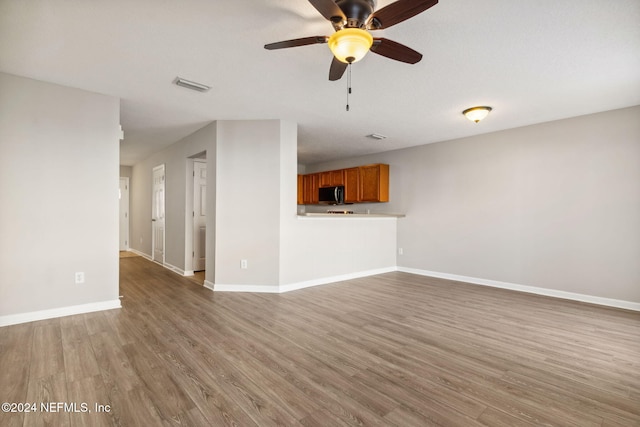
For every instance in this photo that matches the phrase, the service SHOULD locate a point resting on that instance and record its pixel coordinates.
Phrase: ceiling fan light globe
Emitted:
(350, 45)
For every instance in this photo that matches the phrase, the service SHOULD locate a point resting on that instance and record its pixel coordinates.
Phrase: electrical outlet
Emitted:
(79, 277)
(244, 264)
(400, 251)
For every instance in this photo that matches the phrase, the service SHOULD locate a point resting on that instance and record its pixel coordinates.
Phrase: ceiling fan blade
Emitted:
(329, 9)
(397, 12)
(337, 69)
(395, 50)
(296, 42)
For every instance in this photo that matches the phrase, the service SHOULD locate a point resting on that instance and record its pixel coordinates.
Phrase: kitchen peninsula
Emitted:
(349, 215)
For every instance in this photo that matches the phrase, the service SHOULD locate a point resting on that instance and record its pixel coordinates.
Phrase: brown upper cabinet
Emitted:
(310, 188)
(351, 185)
(374, 183)
(331, 178)
(362, 184)
(300, 189)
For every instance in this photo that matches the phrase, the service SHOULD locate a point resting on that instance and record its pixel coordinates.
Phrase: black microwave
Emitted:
(331, 195)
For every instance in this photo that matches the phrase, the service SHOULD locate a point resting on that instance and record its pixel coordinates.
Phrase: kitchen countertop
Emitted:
(353, 215)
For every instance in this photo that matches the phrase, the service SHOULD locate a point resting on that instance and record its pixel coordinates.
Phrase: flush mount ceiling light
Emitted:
(475, 114)
(350, 45)
(191, 85)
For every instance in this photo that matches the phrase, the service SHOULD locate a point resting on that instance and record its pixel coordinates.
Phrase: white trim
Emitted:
(270, 289)
(333, 279)
(278, 289)
(174, 269)
(128, 186)
(14, 319)
(321, 215)
(168, 266)
(627, 305)
(161, 167)
(142, 254)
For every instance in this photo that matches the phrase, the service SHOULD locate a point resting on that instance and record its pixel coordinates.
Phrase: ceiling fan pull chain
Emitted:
(348, 84)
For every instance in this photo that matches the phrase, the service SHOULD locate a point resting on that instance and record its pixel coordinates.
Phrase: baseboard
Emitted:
(269, 289)
(142, 254)
(334, 279)
(174, 269)
(609, 302)
(14, 319)
(165, 265)
(209, 285)
(278, 289)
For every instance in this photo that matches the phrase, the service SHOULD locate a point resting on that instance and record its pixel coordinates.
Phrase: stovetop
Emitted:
(340, 212)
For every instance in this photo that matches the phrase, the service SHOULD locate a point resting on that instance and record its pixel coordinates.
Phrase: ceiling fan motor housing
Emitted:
(356, 11)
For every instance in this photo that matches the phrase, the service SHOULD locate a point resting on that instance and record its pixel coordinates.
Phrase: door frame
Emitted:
(188, 213)
(193, 209)
(164, 227)
(125, 196)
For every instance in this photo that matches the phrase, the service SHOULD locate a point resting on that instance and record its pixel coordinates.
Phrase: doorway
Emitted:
(157, 215)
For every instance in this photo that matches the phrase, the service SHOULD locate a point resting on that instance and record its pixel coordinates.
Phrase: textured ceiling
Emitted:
(532, 62)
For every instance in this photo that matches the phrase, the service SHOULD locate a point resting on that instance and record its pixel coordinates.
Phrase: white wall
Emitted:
(327, 249)
(554, 205)
(59, 152)
(248, 210)
(126, 171)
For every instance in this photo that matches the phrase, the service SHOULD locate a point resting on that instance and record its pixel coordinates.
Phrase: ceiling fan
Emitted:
(352, 20)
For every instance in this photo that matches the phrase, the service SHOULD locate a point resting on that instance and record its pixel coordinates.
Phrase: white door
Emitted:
(157, 215)
(124, 214)
(199, 214)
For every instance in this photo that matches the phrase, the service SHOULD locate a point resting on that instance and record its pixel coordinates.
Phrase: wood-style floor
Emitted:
(395, 349)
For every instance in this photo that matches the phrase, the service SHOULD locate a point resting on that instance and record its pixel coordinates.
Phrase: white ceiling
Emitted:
(532, 61)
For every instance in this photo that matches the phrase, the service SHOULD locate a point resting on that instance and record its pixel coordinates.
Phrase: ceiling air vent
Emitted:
(191, 85)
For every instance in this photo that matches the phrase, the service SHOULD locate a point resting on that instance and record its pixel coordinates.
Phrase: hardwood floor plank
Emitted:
(168, 397)
(430, 413)
(114, 365)
(91, 390)
(618, 423)
(275, 386)
(214, 405)
(79, 359)
(15, 358)
(322, 419)
(49, 390)
(140, 409)
(47, 341)
(313, 381)
(192, 418)
(495, 418)
(413, 404)
(582, 397)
